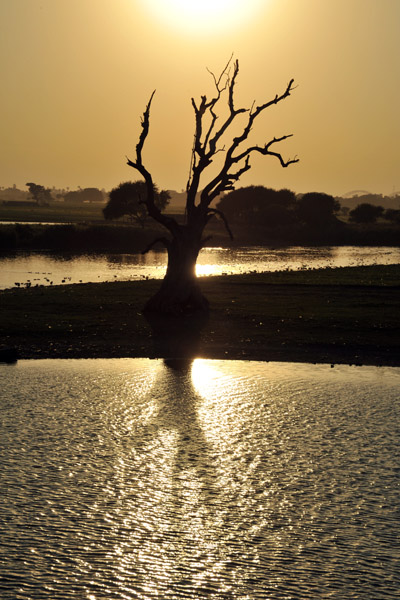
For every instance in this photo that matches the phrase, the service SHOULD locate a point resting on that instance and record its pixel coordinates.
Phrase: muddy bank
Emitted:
(347, 315)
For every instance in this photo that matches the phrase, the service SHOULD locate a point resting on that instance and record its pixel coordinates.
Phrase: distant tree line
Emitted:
(247, 206)
(367, 198)
(90, 194)
(257, 215)
(269, 208)
(368, 208)
(369, 213)
(260, 206)
(39, 195)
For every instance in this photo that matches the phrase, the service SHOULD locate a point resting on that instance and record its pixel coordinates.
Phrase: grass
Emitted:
(57, 212)
(60, 212)
(347, 315)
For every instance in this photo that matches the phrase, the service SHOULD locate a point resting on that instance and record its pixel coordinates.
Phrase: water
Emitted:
(45, 269)
(36, 223)
(125, 479)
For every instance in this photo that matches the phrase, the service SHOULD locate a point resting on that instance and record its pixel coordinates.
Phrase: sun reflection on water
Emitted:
(205, 270)
(208, 481)
(204, 375)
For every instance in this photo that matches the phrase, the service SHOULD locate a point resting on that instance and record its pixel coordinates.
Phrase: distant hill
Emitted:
(353, 199)
(356, 193)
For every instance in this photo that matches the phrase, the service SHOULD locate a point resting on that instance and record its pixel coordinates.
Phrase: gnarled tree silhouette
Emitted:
(180, 291)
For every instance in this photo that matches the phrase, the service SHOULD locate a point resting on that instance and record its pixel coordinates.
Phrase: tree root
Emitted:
(175, 303)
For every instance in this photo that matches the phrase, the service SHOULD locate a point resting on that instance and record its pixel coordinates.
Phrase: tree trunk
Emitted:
(180, 291)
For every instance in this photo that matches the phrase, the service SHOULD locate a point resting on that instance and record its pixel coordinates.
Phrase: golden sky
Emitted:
(76, 76)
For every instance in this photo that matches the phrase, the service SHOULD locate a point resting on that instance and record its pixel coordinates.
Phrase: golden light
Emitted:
(205, 270)
(203, 16)
(204, 376)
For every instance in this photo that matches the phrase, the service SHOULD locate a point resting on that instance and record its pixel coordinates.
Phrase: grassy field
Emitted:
(345, 315)
(57, 212)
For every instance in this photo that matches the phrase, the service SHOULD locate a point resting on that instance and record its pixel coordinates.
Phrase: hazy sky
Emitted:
(76, 76)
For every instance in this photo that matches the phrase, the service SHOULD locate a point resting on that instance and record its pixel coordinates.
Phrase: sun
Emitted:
(203, 16)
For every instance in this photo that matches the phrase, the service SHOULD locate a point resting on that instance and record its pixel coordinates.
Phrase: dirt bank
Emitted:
(348, 315)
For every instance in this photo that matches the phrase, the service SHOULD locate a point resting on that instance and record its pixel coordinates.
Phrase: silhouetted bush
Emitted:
(85, 195)
(317, 209)
(366, 213)
(128, 200)
(250, 204)
(392, 214)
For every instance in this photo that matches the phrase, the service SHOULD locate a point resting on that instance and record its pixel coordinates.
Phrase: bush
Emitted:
(366, 213)
(317, 209)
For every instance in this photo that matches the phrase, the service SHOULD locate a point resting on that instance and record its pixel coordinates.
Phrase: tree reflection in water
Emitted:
(174, 510)
(143, 479)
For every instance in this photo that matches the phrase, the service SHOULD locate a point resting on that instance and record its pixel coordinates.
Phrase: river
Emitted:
(125, 479)
(47, 269)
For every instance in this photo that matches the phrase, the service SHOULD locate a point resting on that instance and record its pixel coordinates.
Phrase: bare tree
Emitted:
(180, 291)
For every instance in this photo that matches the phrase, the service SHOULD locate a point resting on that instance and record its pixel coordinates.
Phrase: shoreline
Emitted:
(348, 315)
(98, 237)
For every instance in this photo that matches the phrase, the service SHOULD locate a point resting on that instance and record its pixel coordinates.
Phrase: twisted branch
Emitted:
(225, 179)
(160, 240)
(205, 148)
(152, 209)
(214, 211)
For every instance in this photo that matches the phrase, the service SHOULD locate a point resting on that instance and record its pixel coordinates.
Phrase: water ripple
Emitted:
(124, 479)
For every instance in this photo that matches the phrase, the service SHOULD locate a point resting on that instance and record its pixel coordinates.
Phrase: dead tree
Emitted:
(180, 291)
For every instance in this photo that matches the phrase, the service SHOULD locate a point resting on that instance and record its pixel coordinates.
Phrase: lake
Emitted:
(125, 479)
(46, 269)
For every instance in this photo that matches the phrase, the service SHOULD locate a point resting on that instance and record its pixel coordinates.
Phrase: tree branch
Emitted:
(205, 149)
(225, 179)
(145, 130)
(205, 239)
(214, 211)
(233, 112)
(160, 240)
(138, 165)
(206, 145)
(266, 151)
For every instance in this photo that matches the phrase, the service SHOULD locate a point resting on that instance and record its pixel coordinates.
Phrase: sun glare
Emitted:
(206, 270)
(204, 376)
(203, 16)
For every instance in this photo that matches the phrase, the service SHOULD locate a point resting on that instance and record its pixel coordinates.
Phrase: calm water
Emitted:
(46, 269)
(124, 479)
